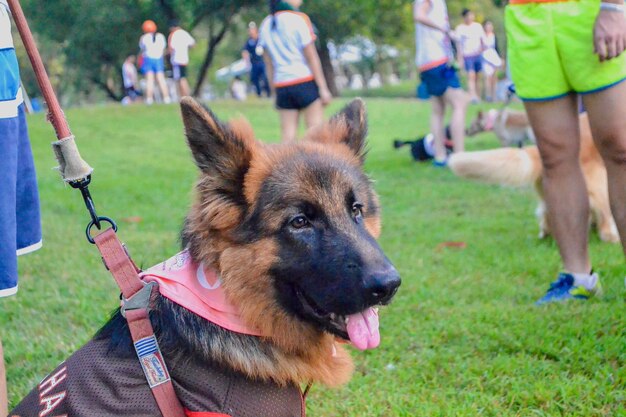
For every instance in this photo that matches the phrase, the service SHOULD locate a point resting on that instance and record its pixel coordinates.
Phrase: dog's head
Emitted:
(291, 227)
(484, 122)
(477, 125)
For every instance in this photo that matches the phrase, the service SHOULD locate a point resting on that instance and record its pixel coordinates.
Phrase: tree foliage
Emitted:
(86, 41)
(95, 36)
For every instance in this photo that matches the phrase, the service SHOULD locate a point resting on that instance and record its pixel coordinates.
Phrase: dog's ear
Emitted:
(480, 114)
(354, 118)
(221, 152)
(348, 126)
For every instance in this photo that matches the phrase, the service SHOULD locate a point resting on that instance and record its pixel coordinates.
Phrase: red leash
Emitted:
(136, 294)
(57, 118)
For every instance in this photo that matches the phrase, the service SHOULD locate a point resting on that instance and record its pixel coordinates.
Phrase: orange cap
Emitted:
(149, 26)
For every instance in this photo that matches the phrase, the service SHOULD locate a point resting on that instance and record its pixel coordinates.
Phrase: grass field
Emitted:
(462, 337)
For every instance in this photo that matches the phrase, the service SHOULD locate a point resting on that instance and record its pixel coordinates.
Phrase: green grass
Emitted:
(462, 337)
(405, 89)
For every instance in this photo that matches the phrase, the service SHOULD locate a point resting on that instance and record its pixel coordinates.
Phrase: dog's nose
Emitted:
(381, 287)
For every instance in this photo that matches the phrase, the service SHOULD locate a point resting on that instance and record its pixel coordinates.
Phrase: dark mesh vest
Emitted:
(95, 383)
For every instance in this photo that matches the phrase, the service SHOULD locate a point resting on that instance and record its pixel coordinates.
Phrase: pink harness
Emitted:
(199, 290)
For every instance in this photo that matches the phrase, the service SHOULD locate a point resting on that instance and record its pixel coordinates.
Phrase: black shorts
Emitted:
(297, 96)
(179, 71)
(131, 92)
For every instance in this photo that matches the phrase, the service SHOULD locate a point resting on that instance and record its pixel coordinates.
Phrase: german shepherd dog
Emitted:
(519, 167)
(291, 231)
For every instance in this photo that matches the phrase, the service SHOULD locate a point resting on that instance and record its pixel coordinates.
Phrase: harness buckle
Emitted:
(140, 300)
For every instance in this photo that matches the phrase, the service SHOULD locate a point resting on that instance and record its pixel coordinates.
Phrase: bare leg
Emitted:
(4, 406)
(471, 84)
(493, 80)
(608, 127)
(314, 114)
(555, 123)
(160, 77)
(150, 87)
(183, 86)
(288, 124)
(437, 113)
(458, 100)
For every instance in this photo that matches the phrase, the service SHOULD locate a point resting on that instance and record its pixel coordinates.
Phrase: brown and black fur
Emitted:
(236, 224)
(291, 230)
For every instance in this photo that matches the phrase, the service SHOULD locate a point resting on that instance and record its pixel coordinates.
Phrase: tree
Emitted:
(383, 21)
(335, 20)
(216, 16)
(95, 37)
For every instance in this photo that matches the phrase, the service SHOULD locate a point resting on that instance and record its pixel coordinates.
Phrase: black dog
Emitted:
(422, 148)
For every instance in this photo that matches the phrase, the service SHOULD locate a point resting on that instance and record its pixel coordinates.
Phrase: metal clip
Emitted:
(140, 300)
(83, 186)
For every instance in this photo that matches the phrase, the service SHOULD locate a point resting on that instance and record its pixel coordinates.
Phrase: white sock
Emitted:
(588, 281)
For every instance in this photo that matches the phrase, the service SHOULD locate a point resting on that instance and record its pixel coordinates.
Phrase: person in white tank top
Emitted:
(433, 44)
(434, 59)
(293, 66)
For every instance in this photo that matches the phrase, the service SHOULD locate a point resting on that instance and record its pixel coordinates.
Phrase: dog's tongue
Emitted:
(363, 329)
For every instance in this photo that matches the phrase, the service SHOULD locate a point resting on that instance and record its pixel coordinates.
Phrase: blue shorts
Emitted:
(297, 96)
(439, 79)
(473, 63)
(152, 65)
(20, 225)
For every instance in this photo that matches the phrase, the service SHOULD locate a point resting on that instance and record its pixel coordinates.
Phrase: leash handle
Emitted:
(57, 118)
(113, 253)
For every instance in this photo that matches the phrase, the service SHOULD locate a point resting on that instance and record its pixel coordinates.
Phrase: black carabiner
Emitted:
(83, 186)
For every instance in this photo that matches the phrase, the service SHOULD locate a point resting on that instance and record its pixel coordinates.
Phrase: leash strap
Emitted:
(135, 307)
(135, 294)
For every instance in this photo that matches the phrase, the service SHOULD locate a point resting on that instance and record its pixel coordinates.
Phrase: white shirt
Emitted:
(433, 47)
(471, 38)
(129, 74)
(285, 43)
(179, 42)
(490, 41)
(152, 46)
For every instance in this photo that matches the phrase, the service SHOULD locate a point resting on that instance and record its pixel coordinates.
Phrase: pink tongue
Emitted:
(363, 329)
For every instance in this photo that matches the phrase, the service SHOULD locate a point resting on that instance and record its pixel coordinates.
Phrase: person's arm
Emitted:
(269, 70)
(310, 53)
(245, 55)
(458, 43)
(609, 31)
(483, 39)
(420, 15)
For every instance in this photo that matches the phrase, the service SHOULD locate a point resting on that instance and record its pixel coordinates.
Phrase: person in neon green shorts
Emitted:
(557, 51)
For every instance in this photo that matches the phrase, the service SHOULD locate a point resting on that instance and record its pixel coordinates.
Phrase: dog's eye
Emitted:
(299, 222)
(357, 211)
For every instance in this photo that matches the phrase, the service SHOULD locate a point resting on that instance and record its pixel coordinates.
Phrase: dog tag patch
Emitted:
(152, 361)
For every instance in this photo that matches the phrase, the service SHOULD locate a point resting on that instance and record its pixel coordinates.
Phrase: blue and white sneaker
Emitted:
(440, 164)
(563, 289)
